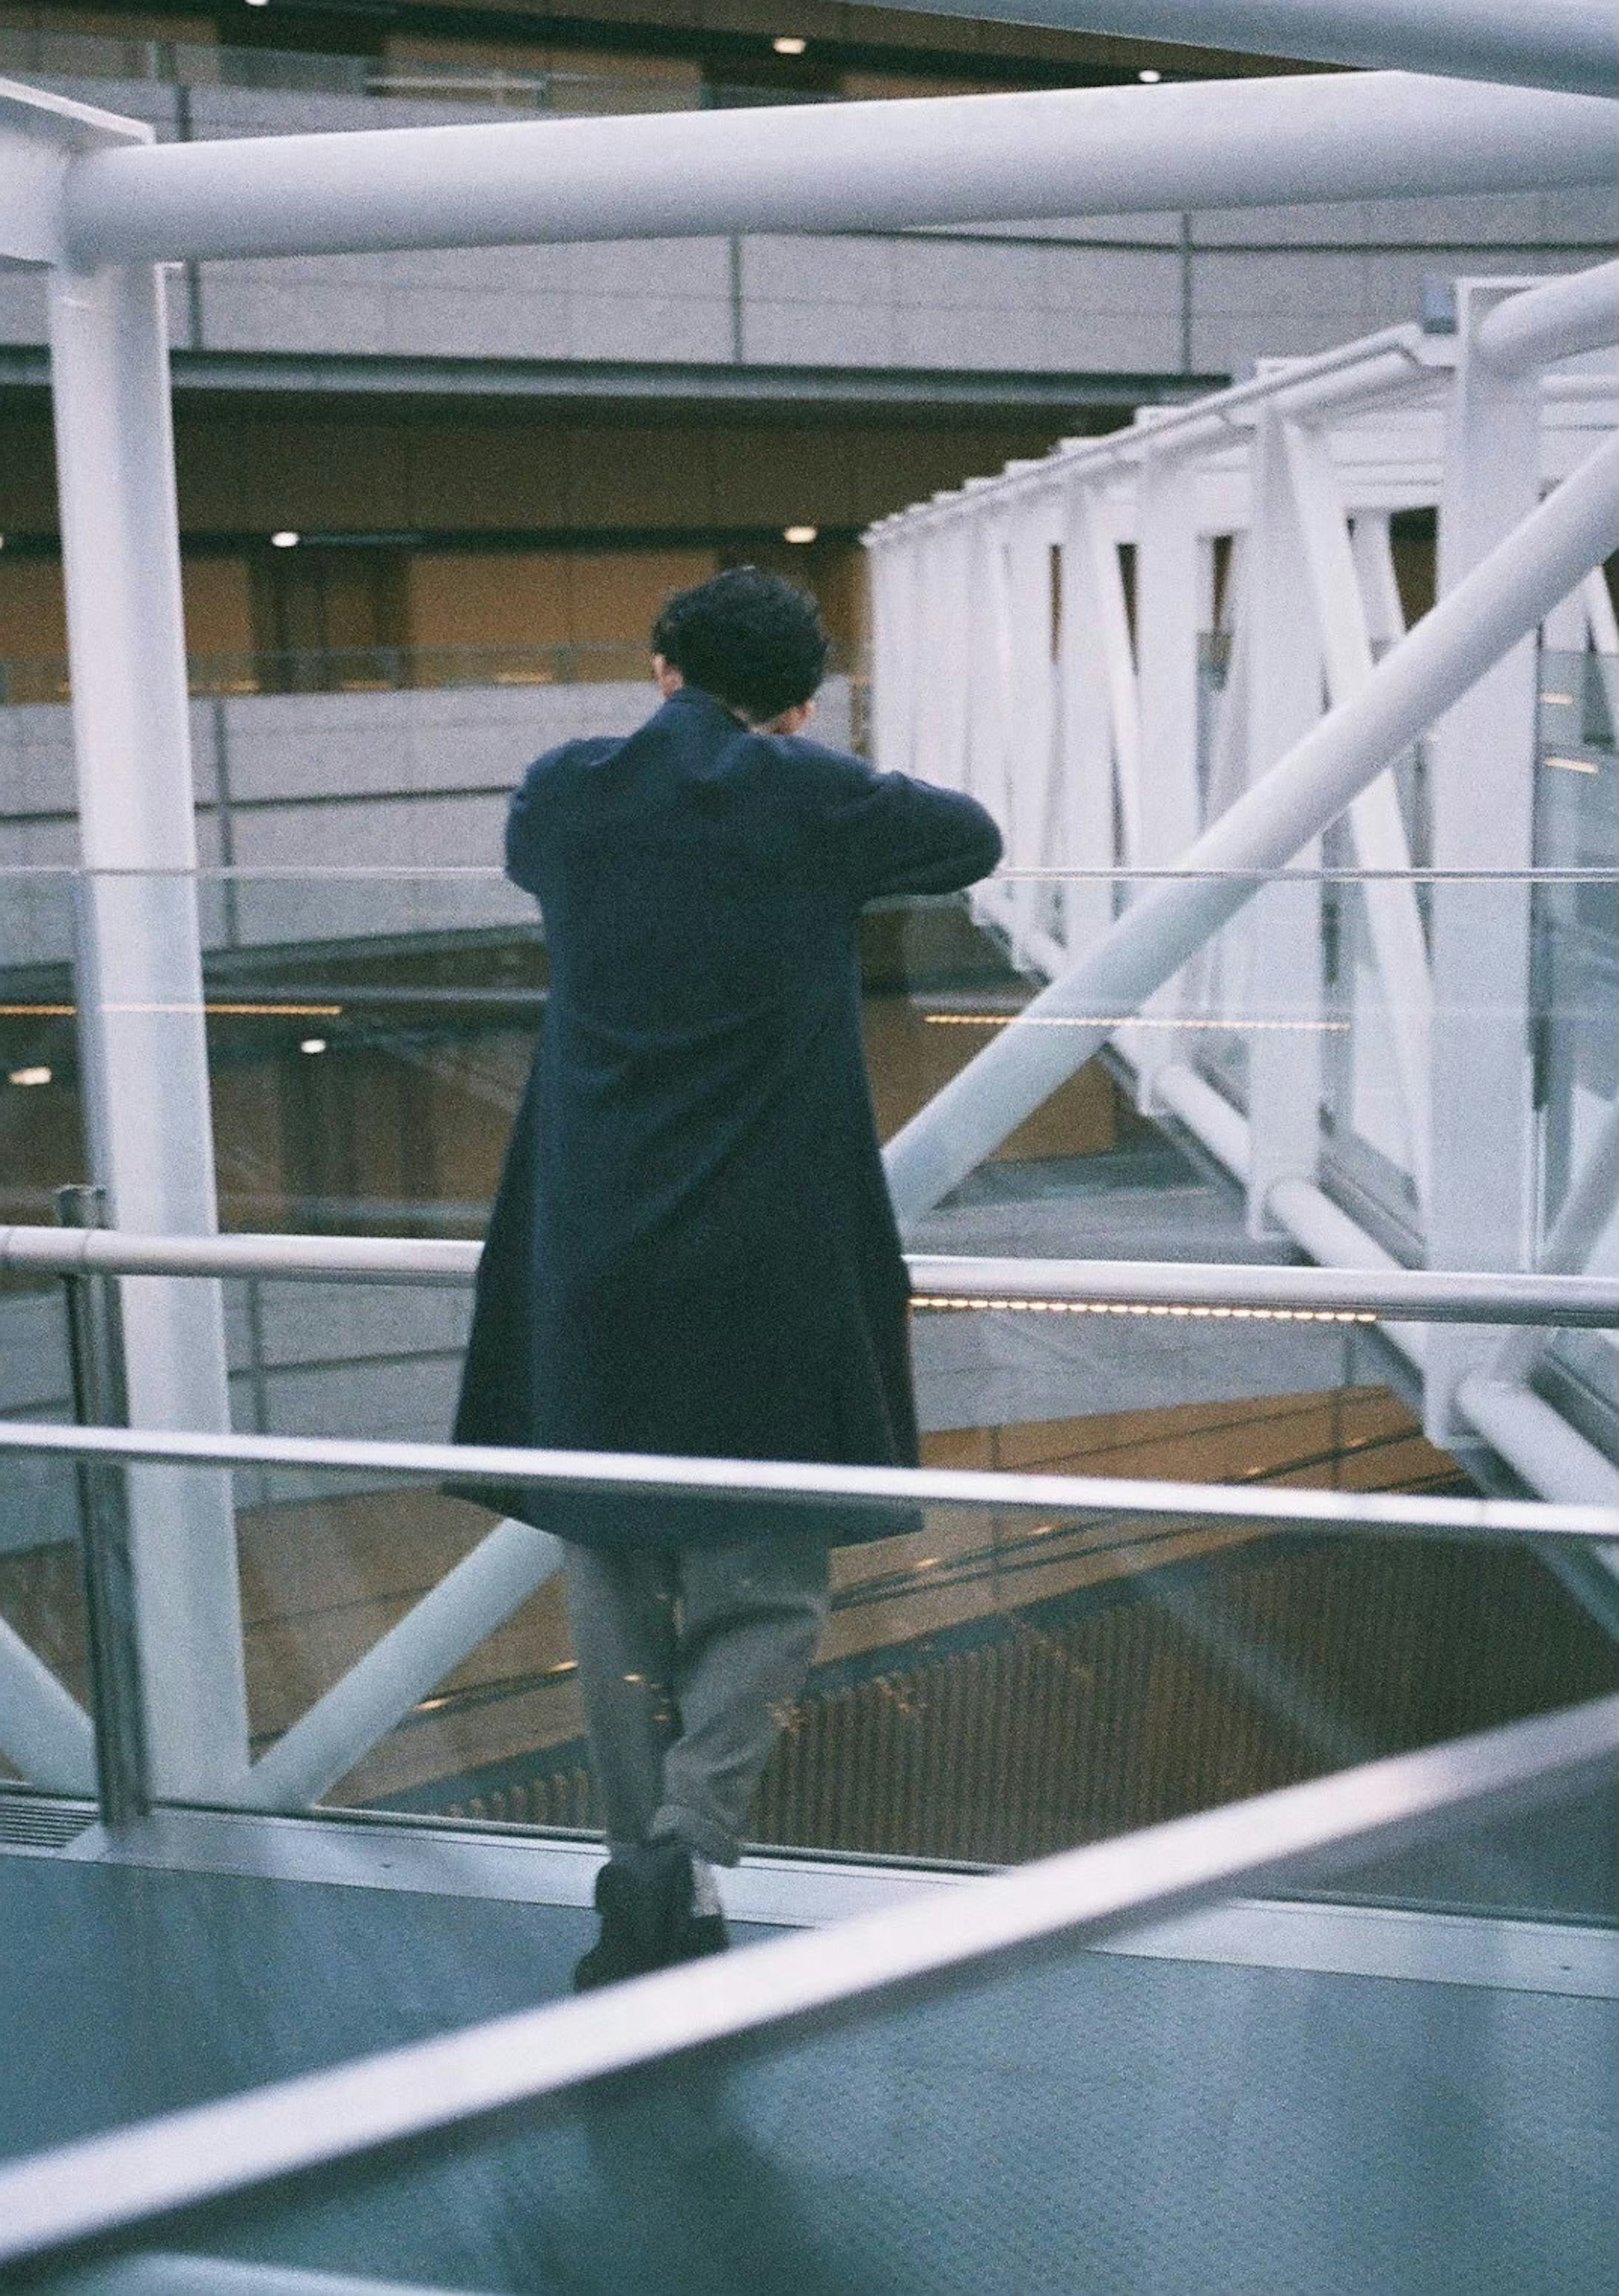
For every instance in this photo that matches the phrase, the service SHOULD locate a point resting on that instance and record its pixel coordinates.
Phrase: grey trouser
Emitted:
(690, 1658)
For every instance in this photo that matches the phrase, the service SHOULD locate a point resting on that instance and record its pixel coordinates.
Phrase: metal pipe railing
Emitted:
(811, 1485)
(1575, 313)
(111, 2183)
(1488, 613)
(1185, 1288)
(835, 166)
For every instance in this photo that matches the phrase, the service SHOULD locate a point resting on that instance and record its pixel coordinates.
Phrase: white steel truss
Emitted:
(1292, 481)
(90, 199)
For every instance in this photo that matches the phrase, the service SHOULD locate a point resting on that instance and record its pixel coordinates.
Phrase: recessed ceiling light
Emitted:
(799, 533)
(30, 1075)
(789, 44)
(259, 4)
(1150, 77)
(286, 539)
(312, 1044)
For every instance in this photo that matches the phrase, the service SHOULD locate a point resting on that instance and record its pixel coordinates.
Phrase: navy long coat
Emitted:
(693, 1249)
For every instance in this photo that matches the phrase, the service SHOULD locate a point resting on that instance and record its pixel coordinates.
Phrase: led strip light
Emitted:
(935, 1301)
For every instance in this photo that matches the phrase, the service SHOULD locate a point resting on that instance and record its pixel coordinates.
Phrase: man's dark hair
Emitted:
(747, 637)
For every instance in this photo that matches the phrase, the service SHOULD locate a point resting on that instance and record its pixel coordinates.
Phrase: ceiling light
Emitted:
(799, 533)
(1150, 77)
(259, 4)
(30, 1075)
(789, 44)
(312, 1044)
(286, 539)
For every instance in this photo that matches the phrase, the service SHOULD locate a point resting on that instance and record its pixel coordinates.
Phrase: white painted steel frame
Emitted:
(831, 166)
(1305, 465)
(1482, 619)
(102, 205)
(513, 1559)
(813, 1485)
(1554, 1297)
(49, 1734)
(116, 2182)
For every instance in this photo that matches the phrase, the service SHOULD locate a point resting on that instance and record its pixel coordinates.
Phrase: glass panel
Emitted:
(369, 1033)
(45, 1739)
(986, 1685)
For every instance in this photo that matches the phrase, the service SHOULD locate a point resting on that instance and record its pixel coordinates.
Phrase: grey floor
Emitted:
(1079, 2125)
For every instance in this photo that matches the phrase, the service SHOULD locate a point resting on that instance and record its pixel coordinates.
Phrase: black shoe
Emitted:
(643, 1896)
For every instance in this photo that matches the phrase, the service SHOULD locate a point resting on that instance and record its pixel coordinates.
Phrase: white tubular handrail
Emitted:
(1578, 312)
(811, 1485)
(1573, 313)
(1219, 415)
(835, 167)
(114, 2182)
(1171, 1287)
(1490, 610)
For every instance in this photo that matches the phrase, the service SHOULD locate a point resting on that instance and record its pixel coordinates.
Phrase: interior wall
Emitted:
(539, 597)
(33, 609)
(218, 611)
(248, 465)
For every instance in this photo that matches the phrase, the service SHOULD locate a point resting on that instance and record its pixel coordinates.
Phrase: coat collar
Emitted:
(698, 698)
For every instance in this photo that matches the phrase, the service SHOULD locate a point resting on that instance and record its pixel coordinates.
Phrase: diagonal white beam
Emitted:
(1469, 630)
(832, 167)
(428, 1643)
(1569, 44)
(1568, 315)
(45, 1732)
(1375, 822)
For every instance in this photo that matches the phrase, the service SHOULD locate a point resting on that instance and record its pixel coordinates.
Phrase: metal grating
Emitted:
(38, 1821)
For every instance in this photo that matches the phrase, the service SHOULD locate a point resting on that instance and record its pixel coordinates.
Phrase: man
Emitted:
(693, 1249)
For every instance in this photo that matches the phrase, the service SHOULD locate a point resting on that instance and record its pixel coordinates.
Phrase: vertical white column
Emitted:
(892, 700)
(1085, 766)
(1284, 683)
(1376, 826)
(140, 987)
(1168, 592)
(1482, 766)
(992, 700)
(1032, 726)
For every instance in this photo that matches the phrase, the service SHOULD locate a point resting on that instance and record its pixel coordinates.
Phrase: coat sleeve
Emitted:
(898, 835)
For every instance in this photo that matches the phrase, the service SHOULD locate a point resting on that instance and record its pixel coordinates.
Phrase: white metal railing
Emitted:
(117, 2182)
(514, 1558)
(1084, 732)
(813, 1485)
(941, 1280)
(52, 1735)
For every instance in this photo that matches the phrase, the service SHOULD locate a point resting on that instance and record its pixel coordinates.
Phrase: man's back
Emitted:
(693, 1248)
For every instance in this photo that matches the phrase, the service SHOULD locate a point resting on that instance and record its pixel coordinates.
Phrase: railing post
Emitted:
(1482, 768)
(138, 974)
(112, 1646)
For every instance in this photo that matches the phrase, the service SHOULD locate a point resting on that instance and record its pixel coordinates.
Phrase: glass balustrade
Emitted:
(368, 1033)
(1043, 1676)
